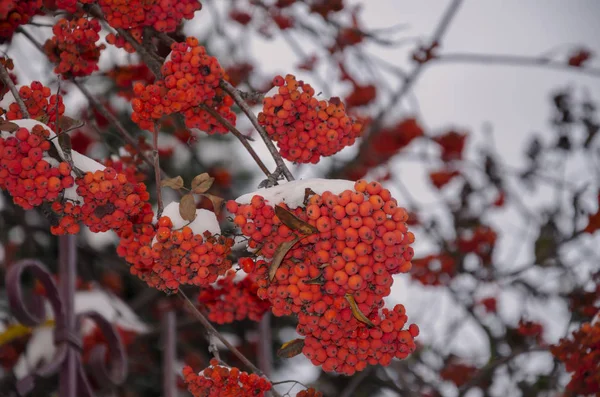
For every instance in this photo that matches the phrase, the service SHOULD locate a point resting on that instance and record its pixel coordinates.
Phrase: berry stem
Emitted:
(213, 332)
(235, 94)
(239, 136)
(157, 176)
(9, 83)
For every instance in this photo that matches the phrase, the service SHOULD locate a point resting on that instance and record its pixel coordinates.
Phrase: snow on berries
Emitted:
(73, 47)
(175, 252)
(218, 380)
(27, 172)
(304, 127)
(328, 258)
(190, 83)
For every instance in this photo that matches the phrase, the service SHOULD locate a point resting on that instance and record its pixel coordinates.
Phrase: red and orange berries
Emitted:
(26, 172)
(361, 240)
(191, 78)
(232, 300)
(40, 103)
(73, 48)
(218, 380)
(304, 127)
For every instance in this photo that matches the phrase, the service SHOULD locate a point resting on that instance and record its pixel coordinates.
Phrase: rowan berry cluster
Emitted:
(191, 79)
(581, 356)
(434, 270)
(335, 277)
(26, 171)
(231, 301)
(310, 392)
(441, 178)
(220, 381)
(111, 201)
(480, 241)
(73, 47)
(178, 257)
(452, 144)
(40, 103)
(385, 144)
(304, 127)
(162, 15)
(14, 13)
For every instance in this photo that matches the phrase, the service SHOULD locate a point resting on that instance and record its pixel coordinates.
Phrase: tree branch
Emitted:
(9, 83)
(235, 94)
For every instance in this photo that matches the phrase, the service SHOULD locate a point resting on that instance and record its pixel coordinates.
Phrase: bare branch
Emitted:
(235, 94)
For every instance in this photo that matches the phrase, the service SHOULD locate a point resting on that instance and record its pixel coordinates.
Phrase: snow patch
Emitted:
(292, 193)
(205, 220)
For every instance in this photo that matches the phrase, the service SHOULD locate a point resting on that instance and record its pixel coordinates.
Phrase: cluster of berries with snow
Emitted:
(40, 103)
(329, 260)
(27, 171)
(190, 84)
(232, 300)
(304, 127)
(73, 48)
(218, 380)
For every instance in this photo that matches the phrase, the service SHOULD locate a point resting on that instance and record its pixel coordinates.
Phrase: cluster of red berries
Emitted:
(162, 15)
(191, 78)
(181, 257)
(40, 103)
(480, 241)
(310, 392)
(304, 127)
(441, 178)
(581, 356)
(231, 301)
(73, 47)
(26, 172)
(385, 144)
(220, 381)
(452, 144)
(434, 270)
(14, 13)
(110, 201)
(457, 372)
(335, 278)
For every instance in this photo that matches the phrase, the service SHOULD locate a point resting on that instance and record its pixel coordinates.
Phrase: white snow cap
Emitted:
(205, 220)
(292, 193)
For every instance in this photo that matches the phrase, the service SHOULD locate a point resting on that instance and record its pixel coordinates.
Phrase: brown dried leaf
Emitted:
(8, 126)
(216, 201)
(293, 222)
(280, 253)
(317, 280)
(356, 311)
(187, 207)
(291, 348)
(201, 183)
(174, 183)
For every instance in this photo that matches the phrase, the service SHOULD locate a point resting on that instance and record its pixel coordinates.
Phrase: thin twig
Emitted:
(9, 83)
(213, 332)
(157, 176)
(235, 94)
(114, 121)
(411, 78)
(239, 136)
(515, 60)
